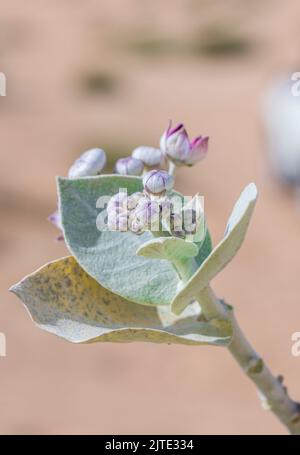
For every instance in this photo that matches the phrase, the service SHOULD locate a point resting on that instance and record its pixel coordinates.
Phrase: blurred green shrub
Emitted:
(98, 82)
(220, 41)
(151, 46)
(215, 40)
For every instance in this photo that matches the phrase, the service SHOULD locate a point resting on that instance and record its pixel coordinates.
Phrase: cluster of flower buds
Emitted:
(150, 156)
(178, 148)
(129, 166)
(151, 210)
(143, 158)
(135, 213)
(140, 211)
(175, 146)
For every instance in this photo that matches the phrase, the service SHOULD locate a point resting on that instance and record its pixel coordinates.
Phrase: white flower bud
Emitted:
(118, 203)
(134, 199)
(129, 166)
(117, 221)
(157, 182)
(166, 208)
(135, 225)
(90, 163)
(55, 219)
(148, 213)
(150, 156)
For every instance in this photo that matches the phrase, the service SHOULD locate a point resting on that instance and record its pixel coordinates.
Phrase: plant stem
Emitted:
(273, 393)
(185, 268)
(172, 168)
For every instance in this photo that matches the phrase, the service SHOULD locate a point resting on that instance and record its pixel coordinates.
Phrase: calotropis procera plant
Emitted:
(142, 262)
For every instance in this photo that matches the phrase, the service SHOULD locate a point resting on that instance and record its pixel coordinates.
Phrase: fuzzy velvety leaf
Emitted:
(205, 248)
(170, 248)
(223, 252)
(64, 300)
(110, 257)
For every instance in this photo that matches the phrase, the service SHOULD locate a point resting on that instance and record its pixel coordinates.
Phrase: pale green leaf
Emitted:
(170, 248)
(223, 252)
(64, 300)
(110, 257)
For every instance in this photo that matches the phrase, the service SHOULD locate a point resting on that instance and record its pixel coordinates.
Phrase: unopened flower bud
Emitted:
(178, 148)
(118, 203)
(135, 225)
(148, 213)
(150, 156)
(190, 221)
(117, 221)
(90, 163)
(129, 166)
(134, 199)
(199, 149)
(55, 219)
(166, 208)
(158, 182)
(176, 225)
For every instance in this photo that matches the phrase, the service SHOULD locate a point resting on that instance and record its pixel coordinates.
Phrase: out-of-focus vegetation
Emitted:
(95, 82)
(153, 46)
(213, 40)
(221, 41)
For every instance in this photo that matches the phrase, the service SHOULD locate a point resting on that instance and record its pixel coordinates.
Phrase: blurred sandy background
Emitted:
(111, 74)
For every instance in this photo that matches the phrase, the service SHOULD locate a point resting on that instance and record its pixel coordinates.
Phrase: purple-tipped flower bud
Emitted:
(55, 219)
(150, 156)
(199, 149)
(178, 148)
(88, 164)
(129, 166)
(157, 182)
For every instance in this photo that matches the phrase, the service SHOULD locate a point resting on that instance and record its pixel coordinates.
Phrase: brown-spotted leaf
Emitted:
(64, 300)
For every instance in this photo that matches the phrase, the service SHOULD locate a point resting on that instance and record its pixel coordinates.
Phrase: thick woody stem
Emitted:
(271, 389)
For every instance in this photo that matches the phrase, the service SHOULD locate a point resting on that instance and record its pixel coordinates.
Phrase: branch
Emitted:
(273, 393)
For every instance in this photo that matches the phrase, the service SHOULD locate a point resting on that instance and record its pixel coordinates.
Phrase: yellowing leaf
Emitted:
(64, 300)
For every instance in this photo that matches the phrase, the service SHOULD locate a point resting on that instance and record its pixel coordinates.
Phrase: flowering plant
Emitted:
(142, 262)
